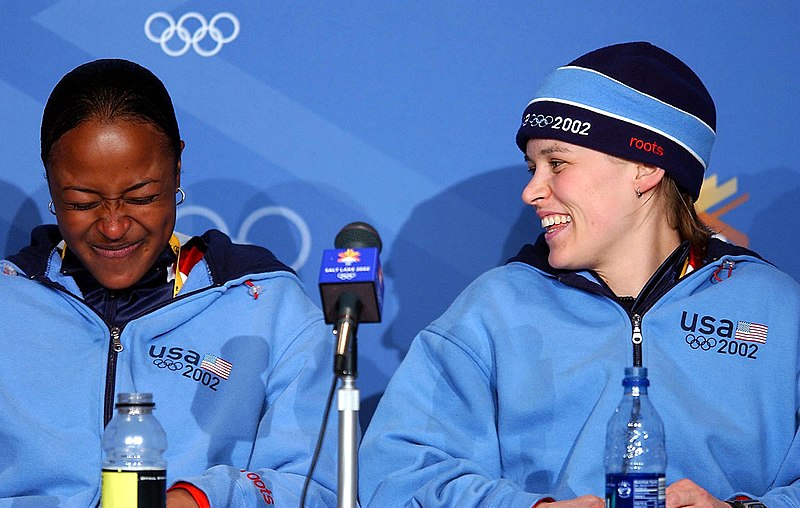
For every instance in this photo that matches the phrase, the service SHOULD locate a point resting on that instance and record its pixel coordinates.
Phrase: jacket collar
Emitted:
(226, 260)
(662, 280)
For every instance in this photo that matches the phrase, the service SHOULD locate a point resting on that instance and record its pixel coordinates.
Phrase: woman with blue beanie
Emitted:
(504, 400)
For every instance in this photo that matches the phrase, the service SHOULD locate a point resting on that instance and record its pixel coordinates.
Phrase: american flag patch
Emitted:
(752, 332)
(216, 365)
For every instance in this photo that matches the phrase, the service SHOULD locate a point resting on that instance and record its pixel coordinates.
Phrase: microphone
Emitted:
(351, 285)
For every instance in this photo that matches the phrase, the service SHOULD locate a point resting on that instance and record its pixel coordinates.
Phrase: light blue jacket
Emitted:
(504, 400)
(244, 440)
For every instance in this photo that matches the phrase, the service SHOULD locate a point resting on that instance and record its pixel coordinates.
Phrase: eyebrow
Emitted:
(550, 150)
(554, 149)
(129, 189)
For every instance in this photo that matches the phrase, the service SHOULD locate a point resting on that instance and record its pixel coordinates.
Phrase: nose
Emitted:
(538, 188)
(113, 223)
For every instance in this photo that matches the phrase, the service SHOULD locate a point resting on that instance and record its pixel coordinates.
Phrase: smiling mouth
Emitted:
(115, 252)
(553, 222)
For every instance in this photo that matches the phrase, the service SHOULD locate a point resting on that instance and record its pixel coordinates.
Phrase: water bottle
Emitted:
(134, 470)
(636, 458)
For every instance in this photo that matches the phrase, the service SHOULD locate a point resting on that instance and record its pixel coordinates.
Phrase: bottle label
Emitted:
(144, 488)
(636, 490)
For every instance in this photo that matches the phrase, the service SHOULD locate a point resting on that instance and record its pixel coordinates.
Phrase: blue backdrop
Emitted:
(300, 117)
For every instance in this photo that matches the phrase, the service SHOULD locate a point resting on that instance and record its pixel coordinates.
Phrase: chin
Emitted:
(555, 261)
(118, 286)
(561, 262)
(116, 283)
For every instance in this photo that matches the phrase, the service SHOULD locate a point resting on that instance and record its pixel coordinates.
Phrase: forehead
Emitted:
(543, 147)
(119, 150)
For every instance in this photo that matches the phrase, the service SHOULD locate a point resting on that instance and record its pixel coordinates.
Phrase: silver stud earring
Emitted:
(638, 192)
(51, 207)
(182, 197)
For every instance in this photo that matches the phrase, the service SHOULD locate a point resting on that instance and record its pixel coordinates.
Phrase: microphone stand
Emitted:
(349, 405)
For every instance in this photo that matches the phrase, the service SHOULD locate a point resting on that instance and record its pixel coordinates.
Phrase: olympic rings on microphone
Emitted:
(191, 39)
(167, 364)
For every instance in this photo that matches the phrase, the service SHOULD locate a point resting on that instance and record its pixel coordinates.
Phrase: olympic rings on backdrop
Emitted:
(258, 214)
(191, 39)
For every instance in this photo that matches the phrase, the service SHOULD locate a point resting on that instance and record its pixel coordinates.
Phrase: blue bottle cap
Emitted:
(635, 376)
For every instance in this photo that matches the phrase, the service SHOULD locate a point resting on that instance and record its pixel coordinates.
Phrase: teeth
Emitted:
(552, 220)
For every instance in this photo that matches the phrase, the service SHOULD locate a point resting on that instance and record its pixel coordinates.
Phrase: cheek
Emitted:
(72, 227)
(596, 201)
(160, 222)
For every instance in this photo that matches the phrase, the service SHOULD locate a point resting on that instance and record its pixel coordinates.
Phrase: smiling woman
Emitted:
(504, 400)
(112, 284)
(114, 197)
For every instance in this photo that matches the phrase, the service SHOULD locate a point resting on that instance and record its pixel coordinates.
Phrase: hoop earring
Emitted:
(181, 199)
(51, 207)
(638, 193)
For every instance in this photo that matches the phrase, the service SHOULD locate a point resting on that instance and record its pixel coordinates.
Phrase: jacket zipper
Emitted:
(115, 344)
(636, 339)
(599, 287)
(114, 348)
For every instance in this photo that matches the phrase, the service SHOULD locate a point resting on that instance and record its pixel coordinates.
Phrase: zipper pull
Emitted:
(636, 337)
(117, 344)
(254, 289)
(726, 265)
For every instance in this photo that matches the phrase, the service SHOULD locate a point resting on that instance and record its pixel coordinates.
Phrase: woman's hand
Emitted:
(686, 493)
(179, 498)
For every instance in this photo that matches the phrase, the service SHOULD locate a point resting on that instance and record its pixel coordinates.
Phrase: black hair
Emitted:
(106, 90)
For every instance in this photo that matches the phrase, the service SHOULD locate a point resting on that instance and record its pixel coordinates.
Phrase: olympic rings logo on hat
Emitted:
(537, 120)
(206, 28)
(700, 342)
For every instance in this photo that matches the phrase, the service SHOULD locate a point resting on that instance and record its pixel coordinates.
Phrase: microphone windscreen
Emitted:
(358, 235)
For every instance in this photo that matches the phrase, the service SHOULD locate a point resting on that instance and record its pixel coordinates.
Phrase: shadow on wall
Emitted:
(446, 243)
(236, 204)
(19, 214)
(772, 209)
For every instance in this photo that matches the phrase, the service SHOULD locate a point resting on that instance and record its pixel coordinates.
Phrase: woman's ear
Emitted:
(647, 177)
(178, 168)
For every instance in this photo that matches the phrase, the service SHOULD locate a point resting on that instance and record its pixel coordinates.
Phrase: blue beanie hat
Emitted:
(634, 101)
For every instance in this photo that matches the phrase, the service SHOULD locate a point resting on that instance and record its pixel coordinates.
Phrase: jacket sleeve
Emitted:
(785, 491)
(296, 386)
(42, 502)
(433, 439)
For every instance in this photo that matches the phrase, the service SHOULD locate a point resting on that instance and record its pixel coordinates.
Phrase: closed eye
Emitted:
(141, 201)
(82, 206)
